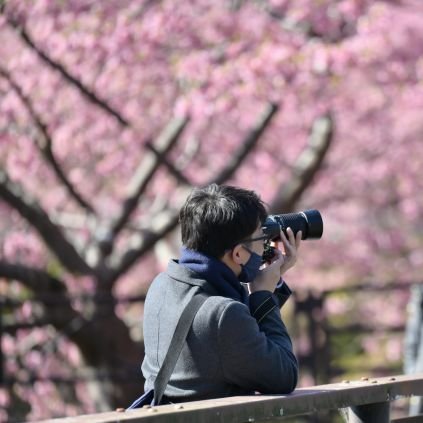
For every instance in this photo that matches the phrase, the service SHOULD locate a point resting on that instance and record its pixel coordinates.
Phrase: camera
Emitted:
(309, 222)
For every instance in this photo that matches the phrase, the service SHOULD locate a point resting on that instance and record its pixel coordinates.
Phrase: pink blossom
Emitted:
(359, 59)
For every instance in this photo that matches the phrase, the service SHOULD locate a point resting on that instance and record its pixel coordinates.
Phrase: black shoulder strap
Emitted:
(176, 344)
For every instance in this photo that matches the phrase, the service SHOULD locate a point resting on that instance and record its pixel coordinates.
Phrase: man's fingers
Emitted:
(278, 258)
(289, 242)
(291, 236)
(298, 239)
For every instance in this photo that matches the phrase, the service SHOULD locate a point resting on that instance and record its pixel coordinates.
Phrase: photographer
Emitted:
(237, 343)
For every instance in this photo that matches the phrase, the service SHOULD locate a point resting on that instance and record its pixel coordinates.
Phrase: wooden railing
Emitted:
(366, 401)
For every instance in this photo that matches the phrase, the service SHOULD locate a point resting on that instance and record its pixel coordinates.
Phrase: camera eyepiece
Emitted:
(310, 222)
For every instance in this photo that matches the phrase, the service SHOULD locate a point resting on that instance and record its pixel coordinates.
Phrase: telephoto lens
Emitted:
(309, 222)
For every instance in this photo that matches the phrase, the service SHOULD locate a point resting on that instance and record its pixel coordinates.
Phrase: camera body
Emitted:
(309, 222)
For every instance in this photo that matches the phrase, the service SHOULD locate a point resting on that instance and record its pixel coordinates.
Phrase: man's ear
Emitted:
(237, 254)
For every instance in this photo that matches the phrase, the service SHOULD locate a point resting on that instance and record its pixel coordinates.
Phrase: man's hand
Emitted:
(291, 246)
(270, 274)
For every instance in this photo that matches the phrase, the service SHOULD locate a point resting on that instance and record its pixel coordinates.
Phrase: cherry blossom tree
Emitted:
(111, 111)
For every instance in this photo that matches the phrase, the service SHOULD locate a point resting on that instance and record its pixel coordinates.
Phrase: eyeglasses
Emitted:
(264, 238)
(259, 238)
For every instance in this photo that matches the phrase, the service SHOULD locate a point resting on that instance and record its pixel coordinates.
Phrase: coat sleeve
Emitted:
(256, 353)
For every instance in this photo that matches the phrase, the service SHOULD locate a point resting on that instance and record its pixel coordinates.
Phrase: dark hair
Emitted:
(215, 218)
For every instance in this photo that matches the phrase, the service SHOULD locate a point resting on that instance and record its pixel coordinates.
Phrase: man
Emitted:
(238, 343)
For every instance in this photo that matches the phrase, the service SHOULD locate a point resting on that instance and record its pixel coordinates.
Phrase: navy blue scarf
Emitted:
(215, 272)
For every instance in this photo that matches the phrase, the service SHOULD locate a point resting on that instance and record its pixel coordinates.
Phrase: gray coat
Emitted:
(227, 352)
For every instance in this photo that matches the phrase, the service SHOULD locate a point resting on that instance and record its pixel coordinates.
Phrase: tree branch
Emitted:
(160, 226)
(30, 210)
(305, 167)
(35, 279)
(45, 144)
(304, 28)
(88, 93)
(165, 222)
(143, 175)
(46, 289)
(162, 159)
(247, 145)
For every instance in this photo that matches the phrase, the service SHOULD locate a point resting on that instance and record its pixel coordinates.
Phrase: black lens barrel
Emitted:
(310, 222)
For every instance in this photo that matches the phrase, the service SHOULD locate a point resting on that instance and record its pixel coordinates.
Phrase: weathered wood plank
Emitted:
(256, 408)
